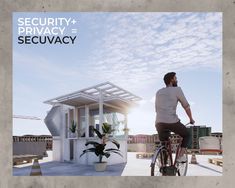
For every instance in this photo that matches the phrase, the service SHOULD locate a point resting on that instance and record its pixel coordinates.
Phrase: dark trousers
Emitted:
(164, 130)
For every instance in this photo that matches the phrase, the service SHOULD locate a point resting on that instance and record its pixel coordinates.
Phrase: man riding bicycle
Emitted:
(166, 118)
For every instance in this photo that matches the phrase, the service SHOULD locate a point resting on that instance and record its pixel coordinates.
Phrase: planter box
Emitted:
(100, 167)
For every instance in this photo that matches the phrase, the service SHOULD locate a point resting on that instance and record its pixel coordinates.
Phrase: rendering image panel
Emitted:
(117, 94)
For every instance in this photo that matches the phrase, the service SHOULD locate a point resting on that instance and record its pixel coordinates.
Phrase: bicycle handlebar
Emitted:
(188, 124)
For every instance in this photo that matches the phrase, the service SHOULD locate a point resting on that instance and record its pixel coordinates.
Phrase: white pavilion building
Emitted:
(89, 107)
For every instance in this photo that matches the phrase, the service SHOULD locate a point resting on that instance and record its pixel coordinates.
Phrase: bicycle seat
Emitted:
(164, 143)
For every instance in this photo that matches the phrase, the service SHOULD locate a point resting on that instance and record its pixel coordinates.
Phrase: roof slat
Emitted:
(110, 91)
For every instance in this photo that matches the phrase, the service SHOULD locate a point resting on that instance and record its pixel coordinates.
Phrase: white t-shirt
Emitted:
(166, 102)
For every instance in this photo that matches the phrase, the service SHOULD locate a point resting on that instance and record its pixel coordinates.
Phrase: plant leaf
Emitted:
(92, 143)
(117, 153)
(88, 150)
(112, 149)
(106, 127)
(116, 143)
(98, 133)
(103, 129)
(107, 154)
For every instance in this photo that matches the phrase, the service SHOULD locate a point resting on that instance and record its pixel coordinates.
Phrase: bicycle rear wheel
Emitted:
(182, 167)
(160, 161)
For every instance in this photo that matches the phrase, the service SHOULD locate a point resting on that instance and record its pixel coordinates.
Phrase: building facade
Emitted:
(217, 134)
(35, 138)
(220, 136)
(195, 133)
(142, 138)
(87, 109)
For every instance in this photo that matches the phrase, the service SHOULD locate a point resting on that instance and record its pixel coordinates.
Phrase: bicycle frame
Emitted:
(177, 150)
(167, 145)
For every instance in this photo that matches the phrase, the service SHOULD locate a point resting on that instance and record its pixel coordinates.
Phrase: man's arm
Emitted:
(185, 105)
(189, 113)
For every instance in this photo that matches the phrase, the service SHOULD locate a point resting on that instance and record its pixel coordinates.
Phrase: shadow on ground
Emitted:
(69, 169)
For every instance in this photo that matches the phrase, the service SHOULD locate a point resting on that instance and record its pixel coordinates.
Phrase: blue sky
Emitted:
(133, 51)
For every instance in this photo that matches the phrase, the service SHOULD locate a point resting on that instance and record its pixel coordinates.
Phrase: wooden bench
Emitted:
(144, 155)
(211, 151)
(216, 161)
(20, 159)
(27, 151)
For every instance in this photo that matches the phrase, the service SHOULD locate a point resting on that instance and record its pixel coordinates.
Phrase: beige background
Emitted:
(9, 6)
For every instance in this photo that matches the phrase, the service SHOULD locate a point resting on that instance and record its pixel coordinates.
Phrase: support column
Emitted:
(75, 141)
(125, 125)
(101, 112)
(87, 120)
(126, 136)
(64, 132)
(75, 115)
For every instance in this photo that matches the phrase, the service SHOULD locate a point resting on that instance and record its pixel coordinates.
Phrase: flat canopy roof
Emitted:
(112, 95)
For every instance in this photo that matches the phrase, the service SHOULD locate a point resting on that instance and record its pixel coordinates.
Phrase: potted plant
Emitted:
(100, 148)
(73, 129)
(107, 129)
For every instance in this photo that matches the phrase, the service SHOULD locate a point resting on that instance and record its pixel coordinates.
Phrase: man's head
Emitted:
(170, 79)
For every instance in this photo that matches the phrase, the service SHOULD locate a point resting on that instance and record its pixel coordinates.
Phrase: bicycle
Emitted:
(162, 163)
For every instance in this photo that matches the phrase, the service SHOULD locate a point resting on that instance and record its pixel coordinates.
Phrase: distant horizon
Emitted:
(128, 134)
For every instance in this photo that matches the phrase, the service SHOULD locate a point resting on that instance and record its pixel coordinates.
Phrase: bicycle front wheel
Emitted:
(182, 167)
(160, 161)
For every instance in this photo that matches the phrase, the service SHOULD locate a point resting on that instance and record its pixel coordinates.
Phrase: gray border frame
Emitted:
(9, 6)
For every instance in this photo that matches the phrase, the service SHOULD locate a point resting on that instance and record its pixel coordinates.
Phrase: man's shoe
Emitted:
(182, 159)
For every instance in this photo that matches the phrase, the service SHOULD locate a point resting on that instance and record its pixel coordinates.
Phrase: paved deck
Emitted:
(134, 167)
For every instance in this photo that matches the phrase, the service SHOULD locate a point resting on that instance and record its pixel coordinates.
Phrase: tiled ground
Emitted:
(134, 167)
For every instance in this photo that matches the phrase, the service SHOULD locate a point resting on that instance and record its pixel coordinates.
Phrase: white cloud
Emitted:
(138, 47)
